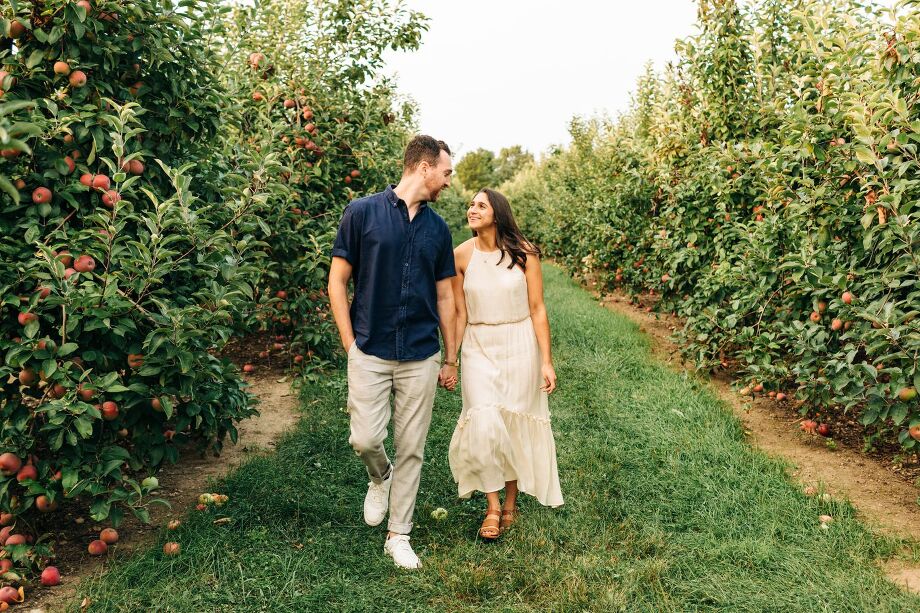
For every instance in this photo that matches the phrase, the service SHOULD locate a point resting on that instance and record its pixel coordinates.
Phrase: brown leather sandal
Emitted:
(490, 529)
(508, 518)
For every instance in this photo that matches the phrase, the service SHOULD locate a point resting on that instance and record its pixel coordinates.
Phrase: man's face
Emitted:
(437, 177)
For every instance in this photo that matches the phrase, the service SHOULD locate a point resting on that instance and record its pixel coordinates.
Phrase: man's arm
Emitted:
(447, 316)
(339, 274)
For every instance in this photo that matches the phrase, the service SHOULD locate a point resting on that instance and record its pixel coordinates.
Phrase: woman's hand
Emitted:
(447, 378)
(549, 378)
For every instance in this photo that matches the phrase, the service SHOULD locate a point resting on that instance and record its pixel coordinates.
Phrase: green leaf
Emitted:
(865, 155)
(100, 510)
(8, 187)
(67, 348)
(83, 426)
(35, 58)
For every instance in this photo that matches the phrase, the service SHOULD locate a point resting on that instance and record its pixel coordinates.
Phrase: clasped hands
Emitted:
(447, 377)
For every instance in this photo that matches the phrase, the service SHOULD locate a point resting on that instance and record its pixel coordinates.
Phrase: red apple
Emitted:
(136, 167)
(110, 197)
(907, 394)
(914, 432)
(25, 318)
(41, 195)
(156, 404)
(174, 524)
(109, 410)
(97, 548)
(780, 396)
(7, 519)
(281, 294)
(823, 430)
(86, 179)
(171, 548)
(101, 182)
(298, 359)
(10, 595)
(45, 504)
(50, 576)
(15, 539)
(84, 263)
(355, 174)
(248, 368)
(62, 68)
(77, 78)
(109, 536)
(27, 377)
(27, 472)
(815, 316)
(6, 565)
(836, 325)
(9, 463)
(847, 298)
(17, 28)
(289, 104)
(71, 165)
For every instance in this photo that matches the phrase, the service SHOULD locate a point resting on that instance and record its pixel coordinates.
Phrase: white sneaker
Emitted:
(398, 548)
(377, 501)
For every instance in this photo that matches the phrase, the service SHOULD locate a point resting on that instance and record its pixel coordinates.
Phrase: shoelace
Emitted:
(376, 492)
(401, 544)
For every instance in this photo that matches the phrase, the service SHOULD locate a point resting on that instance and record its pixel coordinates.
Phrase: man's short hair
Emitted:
(423, 148)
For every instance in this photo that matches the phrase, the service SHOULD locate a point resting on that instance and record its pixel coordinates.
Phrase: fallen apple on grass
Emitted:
(171, 548)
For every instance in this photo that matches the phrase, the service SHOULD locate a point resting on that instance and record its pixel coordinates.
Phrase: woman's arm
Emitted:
(534, 276)
(461, 258)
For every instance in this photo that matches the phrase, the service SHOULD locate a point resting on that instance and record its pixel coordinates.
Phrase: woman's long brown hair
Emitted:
(508, 236)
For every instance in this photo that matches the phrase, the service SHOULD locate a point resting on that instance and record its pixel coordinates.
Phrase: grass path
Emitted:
(667, 509)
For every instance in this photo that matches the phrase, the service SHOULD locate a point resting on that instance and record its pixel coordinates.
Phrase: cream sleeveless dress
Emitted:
(504, 432)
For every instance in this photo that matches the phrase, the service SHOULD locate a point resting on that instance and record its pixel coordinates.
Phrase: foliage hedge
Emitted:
(764, 187)
(224, 144)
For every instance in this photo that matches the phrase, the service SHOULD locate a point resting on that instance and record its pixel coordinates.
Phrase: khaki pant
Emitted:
(371, 380)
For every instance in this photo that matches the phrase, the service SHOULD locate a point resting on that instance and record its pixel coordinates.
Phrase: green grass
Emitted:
(667, 509)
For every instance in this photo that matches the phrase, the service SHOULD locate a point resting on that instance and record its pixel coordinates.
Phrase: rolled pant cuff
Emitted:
(399, 528)
(379, 480)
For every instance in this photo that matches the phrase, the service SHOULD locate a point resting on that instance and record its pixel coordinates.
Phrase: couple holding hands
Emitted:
(487, 295)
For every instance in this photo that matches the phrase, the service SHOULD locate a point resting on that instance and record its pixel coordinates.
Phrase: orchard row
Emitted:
(764, 189)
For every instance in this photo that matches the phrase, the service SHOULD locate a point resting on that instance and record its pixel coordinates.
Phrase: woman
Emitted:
(503, 438)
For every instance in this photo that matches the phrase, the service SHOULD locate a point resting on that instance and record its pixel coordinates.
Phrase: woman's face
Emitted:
(480, 214)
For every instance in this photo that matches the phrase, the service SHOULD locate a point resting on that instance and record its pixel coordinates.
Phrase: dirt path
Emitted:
(180, 484)
(885, 501)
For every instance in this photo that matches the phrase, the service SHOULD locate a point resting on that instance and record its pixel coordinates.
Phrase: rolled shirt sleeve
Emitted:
(445, 264)
(347, 244)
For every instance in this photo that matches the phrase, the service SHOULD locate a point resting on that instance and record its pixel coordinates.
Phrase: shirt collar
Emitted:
(394, 200)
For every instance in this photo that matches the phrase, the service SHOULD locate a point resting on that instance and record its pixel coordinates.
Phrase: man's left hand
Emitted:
(447, 378)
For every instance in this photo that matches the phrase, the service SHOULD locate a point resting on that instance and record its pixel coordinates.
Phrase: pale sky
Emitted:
(504, 72)
(495, 73)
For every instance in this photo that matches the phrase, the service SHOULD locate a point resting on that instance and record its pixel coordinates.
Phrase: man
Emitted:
(399, 253)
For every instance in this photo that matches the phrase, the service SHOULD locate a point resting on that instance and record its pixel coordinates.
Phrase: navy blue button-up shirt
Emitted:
(395, 265)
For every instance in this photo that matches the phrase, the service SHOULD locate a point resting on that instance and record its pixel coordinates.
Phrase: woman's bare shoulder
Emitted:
(462, 254)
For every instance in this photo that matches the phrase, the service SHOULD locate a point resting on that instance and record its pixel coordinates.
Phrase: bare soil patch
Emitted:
(180, 484)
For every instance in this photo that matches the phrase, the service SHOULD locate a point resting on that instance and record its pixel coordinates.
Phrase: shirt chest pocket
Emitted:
(428, 246)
